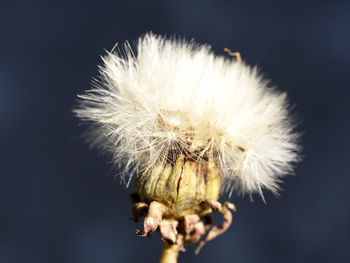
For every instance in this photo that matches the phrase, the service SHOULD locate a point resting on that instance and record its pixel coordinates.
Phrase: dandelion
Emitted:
(190, 125)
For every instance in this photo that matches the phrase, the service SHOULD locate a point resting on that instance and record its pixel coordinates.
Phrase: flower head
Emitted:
(176, 98)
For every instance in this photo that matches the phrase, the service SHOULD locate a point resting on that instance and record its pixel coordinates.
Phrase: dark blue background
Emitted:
(57, 202)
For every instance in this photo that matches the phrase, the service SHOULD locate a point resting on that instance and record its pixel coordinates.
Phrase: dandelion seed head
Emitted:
(172, 97)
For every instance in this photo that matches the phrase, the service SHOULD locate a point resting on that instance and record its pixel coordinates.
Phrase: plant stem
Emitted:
(170, 252)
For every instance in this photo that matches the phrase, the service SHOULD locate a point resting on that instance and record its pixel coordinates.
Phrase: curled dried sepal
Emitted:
(168, 230)
(139, 208)
(186, 229)
(218, 230)
(153, 218)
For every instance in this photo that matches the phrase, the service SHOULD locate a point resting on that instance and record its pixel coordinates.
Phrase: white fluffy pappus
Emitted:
(174, 97)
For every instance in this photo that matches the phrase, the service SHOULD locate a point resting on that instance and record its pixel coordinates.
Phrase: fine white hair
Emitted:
(173, 97)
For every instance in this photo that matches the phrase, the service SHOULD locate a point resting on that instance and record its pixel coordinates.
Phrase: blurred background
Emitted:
(59, 203)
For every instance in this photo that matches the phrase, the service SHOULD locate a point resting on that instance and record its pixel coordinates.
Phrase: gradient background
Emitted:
(57, 202)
